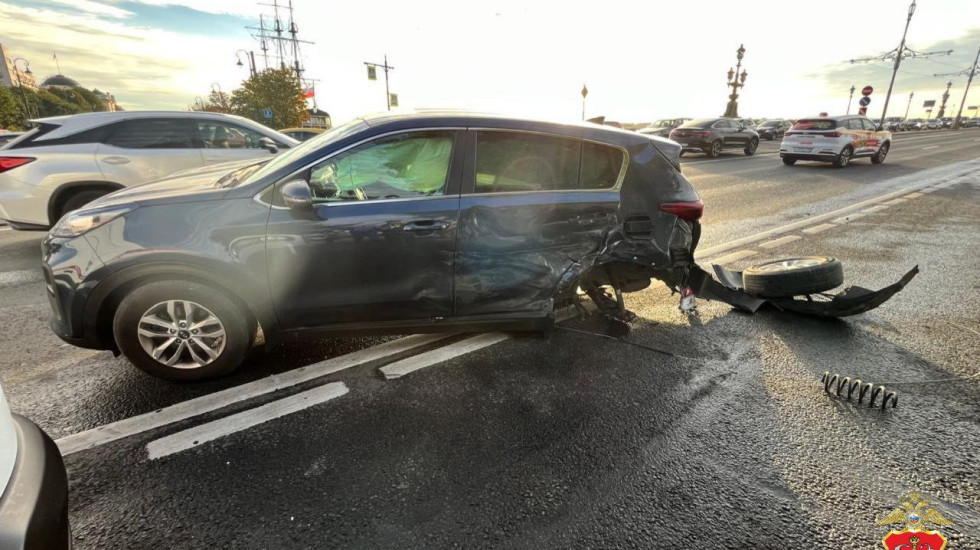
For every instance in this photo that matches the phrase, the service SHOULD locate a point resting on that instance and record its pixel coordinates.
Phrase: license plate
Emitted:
(802, 149)
(687, 300)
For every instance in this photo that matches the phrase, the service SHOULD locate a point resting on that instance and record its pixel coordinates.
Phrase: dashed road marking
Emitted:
(734, 257)
(893, 202)
(236, 394)
(780, 242)
(874, 209)
(931, 147)
(914, 195)
(819, 228)
(438, 355)
(192, 437)
(22, 277)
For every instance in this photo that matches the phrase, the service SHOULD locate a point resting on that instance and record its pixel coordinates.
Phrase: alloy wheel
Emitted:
(181, 334)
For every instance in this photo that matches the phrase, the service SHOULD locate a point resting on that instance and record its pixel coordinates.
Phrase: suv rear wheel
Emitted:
(714, 150)
(844, 158)
(181, 330)
(751, 147)
(793, 277)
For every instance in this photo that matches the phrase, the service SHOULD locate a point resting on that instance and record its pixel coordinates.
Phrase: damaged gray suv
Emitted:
(393, 223)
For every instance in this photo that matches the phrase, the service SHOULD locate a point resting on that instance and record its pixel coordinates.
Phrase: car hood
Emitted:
(192, 186)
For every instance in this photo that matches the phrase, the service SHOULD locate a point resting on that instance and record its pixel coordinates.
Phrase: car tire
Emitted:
(714, 150)
(79, 200)
(879, 157)
(752, 147)
(142, 320)
(844, 158)
(789, 161)
(793, 277)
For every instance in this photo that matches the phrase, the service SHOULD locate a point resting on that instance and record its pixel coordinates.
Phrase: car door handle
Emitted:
(425, 225)
(115, 160)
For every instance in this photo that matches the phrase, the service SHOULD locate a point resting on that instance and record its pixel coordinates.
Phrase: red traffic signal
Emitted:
(867, 90)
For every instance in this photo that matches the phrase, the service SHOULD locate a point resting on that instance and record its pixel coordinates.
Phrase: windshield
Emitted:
(305, 147)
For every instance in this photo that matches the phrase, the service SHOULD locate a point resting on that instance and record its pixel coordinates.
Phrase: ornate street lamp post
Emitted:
(850, 99)
(251, 60)
(23, 95)
(736, 81)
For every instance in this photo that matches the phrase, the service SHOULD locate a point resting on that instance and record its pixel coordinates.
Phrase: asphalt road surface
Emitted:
(707, 431)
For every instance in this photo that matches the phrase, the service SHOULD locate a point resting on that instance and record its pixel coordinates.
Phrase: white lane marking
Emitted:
(14, 278)
(914, 195)
(929, 190)
(780, 242)
(819, 228)
(848, 218)
(752, 239)
(217, 400)
(875, 209)
(438, 355)
(931, 147)
(695, 161)
(893, 202)
(5, 228)
(734, 257)
(181, 441)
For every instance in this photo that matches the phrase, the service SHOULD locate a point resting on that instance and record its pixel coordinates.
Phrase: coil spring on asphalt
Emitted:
(834, 384)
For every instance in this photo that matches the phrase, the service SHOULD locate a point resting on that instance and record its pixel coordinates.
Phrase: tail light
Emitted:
(788, 133)
(833, 134)
(9, 163)
(690, 211)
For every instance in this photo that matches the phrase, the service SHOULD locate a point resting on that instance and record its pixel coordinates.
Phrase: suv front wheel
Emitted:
(181, 330)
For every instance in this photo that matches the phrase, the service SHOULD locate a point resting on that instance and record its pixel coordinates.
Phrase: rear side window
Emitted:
(152, 134)
(854, 124)
(820, 124)
(509, 162)
(34, 137)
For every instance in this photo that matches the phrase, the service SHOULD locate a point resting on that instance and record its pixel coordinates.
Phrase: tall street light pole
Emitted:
(23, 94)
(733, 80)
(909, 106)
(973, 72)
(385, 67)
(850, 99)
(898, 61)
(942, 108)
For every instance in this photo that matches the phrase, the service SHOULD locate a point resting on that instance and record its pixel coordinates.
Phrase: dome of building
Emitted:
(59, 80)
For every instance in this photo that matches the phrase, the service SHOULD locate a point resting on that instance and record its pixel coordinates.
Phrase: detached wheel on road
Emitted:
(714, 150)
(844, 158)
(789, 161)
(752, 147)
(879, 157)
(181, 330)
(793, 277)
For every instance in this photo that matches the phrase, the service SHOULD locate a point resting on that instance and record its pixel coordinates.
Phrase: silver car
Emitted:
(68, 161)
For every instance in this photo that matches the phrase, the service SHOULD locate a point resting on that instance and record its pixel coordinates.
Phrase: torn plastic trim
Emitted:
(852, 301)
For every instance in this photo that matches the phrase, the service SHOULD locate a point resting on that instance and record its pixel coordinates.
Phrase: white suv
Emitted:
(33, 486)
(67, 161)
(837, 139)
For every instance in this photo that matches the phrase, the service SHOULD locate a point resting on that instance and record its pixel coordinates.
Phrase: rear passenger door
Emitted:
(533, 206)
(727, 130)
(142, 150)
(859, 135)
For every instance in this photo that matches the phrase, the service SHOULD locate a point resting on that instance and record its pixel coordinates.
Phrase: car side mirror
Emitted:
(296, 194)
(269, 145)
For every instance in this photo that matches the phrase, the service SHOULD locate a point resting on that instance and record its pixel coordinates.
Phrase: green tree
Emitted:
(11, 110)
(276, 90)
(218, 102)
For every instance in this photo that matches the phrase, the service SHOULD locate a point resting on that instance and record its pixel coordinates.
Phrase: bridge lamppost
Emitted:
(23, 95)
(736, 81)
(942, 108)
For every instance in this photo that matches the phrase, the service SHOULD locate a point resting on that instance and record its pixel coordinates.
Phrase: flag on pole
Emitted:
(308, 92)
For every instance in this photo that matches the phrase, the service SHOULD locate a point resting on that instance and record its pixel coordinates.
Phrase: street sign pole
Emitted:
(973, 71)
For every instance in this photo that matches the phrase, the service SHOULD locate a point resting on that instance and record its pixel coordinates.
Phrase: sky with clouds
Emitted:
(640, 60)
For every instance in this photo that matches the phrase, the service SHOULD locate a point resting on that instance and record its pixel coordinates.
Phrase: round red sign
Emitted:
(867, 90)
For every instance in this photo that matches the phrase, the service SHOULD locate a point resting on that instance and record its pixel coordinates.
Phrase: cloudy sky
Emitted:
(641, 60)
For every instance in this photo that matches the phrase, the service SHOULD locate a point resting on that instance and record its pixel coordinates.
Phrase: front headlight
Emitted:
(80, 221)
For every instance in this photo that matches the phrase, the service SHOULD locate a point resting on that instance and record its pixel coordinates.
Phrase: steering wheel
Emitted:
(532, 168)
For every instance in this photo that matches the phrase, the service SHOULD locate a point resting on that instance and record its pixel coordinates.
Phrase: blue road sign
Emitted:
(267, 113)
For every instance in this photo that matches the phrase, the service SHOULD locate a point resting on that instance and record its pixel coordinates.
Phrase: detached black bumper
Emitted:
(34, 504)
